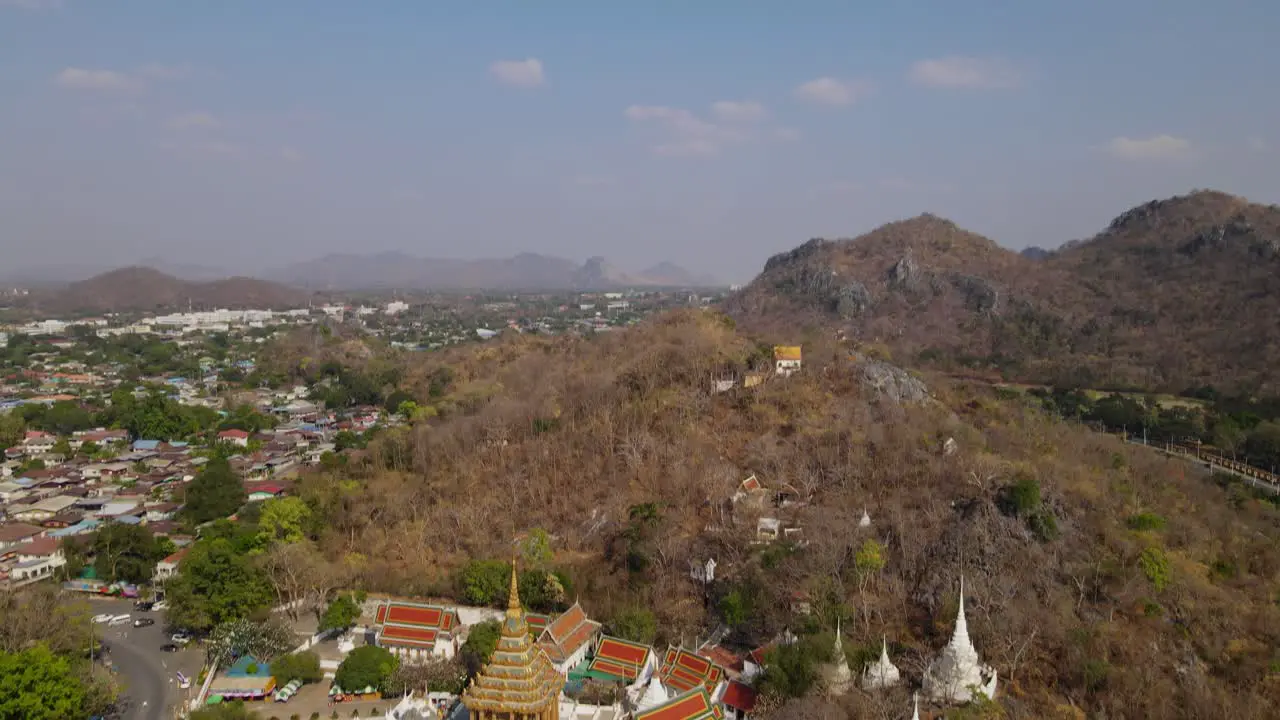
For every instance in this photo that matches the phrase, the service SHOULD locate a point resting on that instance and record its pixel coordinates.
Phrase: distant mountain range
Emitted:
(339, 272)
(142, 289)
(526, 271)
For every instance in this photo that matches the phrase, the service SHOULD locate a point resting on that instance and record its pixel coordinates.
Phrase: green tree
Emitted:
(216, 583)
(62, 448)
(35, 684)
(215, 493)
(125, 553)
(304, 666)
(480, 644)
(242, 636)
(366, 666)
(485, 582)
(635, 624)
(286, 519)
(342, 613)
(12, 429)
(346, 439)
(535, 549)
(791, 669)
(65, 417)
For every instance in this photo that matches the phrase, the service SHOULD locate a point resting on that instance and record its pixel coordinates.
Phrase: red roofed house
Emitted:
(568, 638)
(628, 661)
(738, 700)
(36, 560)
(168, 567)
(412, 631)
(234, 437)
(692, 705)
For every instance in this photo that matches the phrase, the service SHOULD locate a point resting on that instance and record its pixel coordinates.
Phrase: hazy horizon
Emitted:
(246, 136)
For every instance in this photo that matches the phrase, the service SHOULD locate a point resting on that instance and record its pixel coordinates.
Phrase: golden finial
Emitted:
(513, 601)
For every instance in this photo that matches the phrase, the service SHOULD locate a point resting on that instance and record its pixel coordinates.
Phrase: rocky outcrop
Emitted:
(892, 382)
(979, 294)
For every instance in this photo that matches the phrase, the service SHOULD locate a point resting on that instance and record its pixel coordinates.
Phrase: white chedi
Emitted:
(654, 695)
(865, 520)
(881, 673)
(839, 676)
(915, 699)
(957, 673)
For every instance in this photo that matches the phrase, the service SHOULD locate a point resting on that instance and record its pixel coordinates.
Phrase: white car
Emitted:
(105, 617)
(159, 606)
(119, 619)
(180, 638)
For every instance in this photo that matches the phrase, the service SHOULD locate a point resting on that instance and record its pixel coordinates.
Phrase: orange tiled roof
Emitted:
(739, 696)
(683, 670)
(403, 636)
(567, 633)
(537, 622)
(692, 705)
(619, 657)
(413, 615)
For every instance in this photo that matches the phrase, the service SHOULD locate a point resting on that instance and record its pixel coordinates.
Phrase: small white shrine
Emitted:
(957, 673)
(654, 695)
(915, 699)
(881, 673)
(839, 676)
(865, 520)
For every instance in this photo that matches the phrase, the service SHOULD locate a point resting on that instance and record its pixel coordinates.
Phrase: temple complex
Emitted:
(882, 673)
(957, 673)
(519, 683)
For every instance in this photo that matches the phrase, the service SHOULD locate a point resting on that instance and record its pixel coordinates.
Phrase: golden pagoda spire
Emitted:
(513, 600)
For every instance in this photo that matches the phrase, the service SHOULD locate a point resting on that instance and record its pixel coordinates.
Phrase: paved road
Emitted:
(149, 675)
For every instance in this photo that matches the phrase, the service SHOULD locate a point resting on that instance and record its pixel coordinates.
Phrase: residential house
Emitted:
(786, 359)
(239, 438)
(38, 443)
(168, 567)
(41, 510)
(36, 560)
(160, 512)
(259, 491)
(15, 534)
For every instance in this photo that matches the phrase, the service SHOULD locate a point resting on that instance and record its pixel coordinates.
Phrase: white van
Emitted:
(120, 619)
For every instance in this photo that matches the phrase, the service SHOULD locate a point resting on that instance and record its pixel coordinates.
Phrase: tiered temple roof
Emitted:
(411, 625)
(567, 634)
(519, 680)
(683, 670)
(620, 658)
(692, 705)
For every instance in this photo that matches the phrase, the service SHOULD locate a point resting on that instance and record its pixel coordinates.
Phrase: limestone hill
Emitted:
(1173, 294)
(144, 289)
(618, 448)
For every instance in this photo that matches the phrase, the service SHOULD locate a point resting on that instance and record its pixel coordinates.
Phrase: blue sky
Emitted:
(244, 134)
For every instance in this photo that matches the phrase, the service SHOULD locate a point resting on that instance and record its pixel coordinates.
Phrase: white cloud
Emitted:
(731, 111)
(1157, 147)
(687, 134)
(197, 119)
(527, 73)
(959, 71)
(830, 91)
(107, 81)
(290, 154)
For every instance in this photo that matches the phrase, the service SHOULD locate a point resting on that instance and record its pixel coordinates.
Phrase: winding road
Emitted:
(150, 683)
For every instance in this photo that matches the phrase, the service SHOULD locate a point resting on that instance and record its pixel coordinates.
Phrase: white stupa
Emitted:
(865, 520)
(654, 695)
(957, 673)
(839, 676)
(915, 698)
(881, 673)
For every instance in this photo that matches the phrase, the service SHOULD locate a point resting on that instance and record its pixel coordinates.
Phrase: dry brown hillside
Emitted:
(1098, 577)
(1173, 294)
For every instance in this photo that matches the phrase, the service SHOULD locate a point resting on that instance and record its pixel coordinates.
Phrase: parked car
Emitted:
(181, 638)
(143, 622)
(168, 647)
(120, 619)
(161, 605)
(104, 617)
(143, 606)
